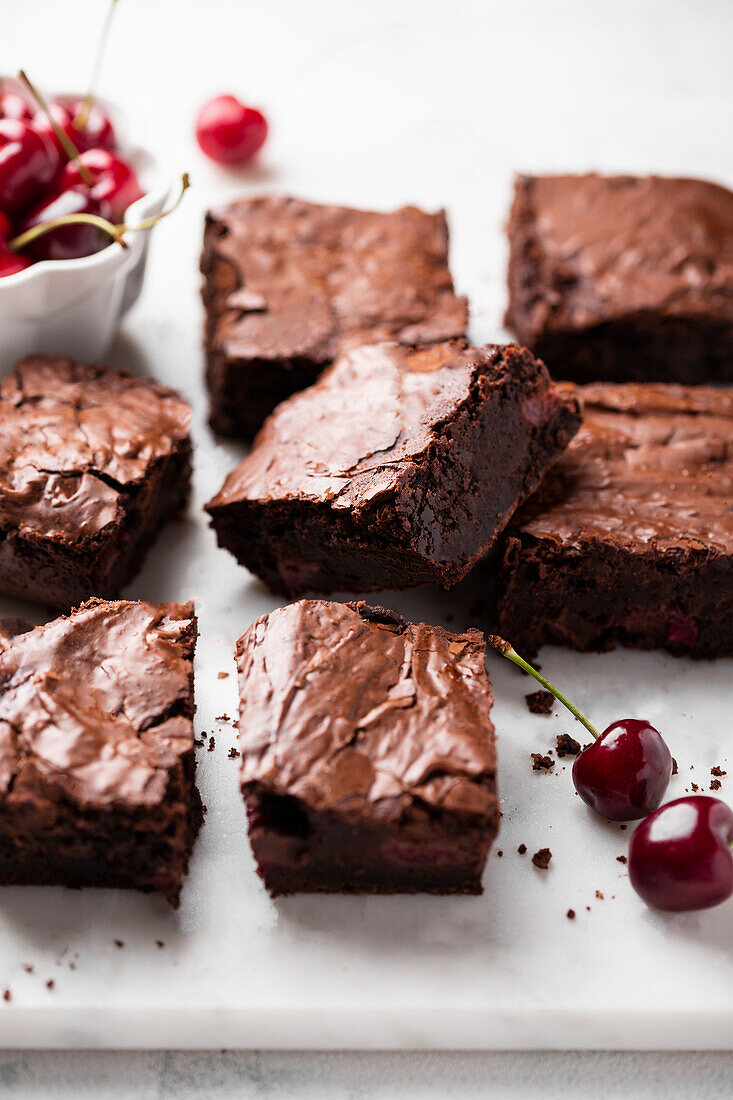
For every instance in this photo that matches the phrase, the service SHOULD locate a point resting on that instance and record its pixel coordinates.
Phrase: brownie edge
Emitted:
(378, 775)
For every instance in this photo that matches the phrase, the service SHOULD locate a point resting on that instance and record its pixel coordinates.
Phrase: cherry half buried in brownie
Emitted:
(92, 463)
(398, 468)
(96, 748)
(630, 537)
(368, 756)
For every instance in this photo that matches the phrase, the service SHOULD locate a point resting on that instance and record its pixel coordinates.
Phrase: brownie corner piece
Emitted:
(378, 775)
(629, 539)
(286, 280)
(398, 468)
(92, 463)
(97, 768)
(623, 278)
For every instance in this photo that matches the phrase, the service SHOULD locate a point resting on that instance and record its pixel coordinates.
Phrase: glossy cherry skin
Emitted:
(98, 132)
(11, 262)
(69, 241)
(115, 181)
(624, 774)
(228, 132)
(27, 164)
(13, 105)
(680, 857)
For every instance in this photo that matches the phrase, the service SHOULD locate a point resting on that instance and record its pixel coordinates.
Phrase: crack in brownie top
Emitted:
(604, 247)
(75, 440)
(96, 706)
(297, 276)
(651, 464)
(357, 432)
(349, 708)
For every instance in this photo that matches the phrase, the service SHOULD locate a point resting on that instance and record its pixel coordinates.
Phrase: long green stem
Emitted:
(82, 117)
(68, 145)
(511, 654)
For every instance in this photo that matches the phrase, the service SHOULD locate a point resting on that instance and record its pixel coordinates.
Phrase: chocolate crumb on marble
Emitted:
(540, 702)
(542, 858)
(541, 763)
(566, 745)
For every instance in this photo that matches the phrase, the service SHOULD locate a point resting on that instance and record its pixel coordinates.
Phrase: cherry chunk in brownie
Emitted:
(623, 278)
(398, 468)
(96, 748)
(368, 755)
(285, 280)
(630, 537)
(92, 463)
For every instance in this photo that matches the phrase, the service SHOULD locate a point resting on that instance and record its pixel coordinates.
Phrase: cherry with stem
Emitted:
(81, 118)
(62, 137)
(624, 773)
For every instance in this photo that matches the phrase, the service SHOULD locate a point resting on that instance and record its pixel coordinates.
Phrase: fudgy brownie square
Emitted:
(368, 755)
(623, 278)
(630, 537)
(399, 467)
(285, 280)
(96, 748)
(92, 463)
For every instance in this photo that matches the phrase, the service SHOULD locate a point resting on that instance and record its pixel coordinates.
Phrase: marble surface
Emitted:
(376, 104)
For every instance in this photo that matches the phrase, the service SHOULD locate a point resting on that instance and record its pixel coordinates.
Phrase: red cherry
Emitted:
(92, 130)
(228, 132)
(11, 262)
(115, 181)
(13, 105)
(6, 227)
(27, 164)
(625, 773)
(680, 857)
(68, 242)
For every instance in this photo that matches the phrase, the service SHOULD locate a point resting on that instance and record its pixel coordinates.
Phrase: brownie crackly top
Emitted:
(601, 248)
(75, 441)
(651, 465)
(349, 708)
(291, 277)
(96, 707)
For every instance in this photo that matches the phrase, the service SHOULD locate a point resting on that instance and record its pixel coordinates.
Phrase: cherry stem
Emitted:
(115, 231)
(511, 654)
(68, 145)
(82, 116)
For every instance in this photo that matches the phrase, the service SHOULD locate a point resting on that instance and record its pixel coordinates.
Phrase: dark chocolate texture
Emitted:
(623, 278)
(368, 755)
(92, 463)
(398, 468)
(286, 280)
(630, 537)
(96, 749)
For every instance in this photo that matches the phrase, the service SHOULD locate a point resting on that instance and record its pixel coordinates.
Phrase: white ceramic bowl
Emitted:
(73, 307)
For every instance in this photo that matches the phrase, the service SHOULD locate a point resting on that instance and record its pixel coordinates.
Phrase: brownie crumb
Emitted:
(542, 858)
(7, 995)
(233, 753)
(567, 745)
(570, 914)
(621, 859)
(198, 741)
(222, 676)
(222, 718)
(28, 967)
(717, 770)
(159, 943)
(212, 743)
(675, 768)
(541, 763)
(540, 702)
(715, 784)
(522, 849)
(599, 895)
(50, 984)
(119, 943)
(622, 827)
(695, 787)
(499, 854)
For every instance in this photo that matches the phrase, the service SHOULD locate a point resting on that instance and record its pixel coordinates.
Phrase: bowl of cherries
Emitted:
(72, 194)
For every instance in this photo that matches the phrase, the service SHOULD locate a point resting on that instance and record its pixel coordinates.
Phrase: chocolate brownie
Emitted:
(368, 756)
(285, 280)
(92, 463)
(96, 748)
(398, 468)
(630, 537)
(623, 278)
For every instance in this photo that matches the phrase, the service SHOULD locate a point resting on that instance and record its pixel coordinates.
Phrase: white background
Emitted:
(377, 104)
